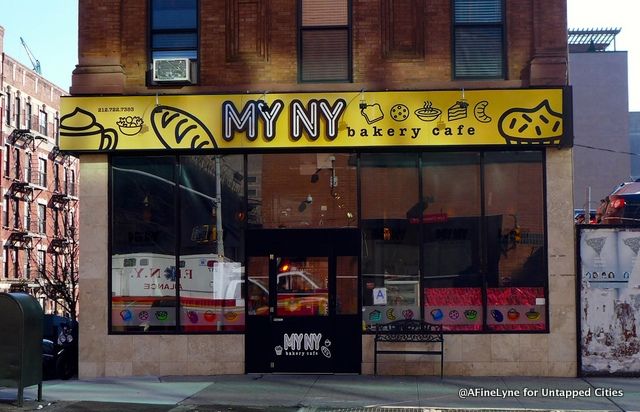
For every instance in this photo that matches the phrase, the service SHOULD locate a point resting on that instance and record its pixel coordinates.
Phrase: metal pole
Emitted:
(587, 209)
(219, 236)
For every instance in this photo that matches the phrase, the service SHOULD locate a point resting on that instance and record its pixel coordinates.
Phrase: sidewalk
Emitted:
(329, 392)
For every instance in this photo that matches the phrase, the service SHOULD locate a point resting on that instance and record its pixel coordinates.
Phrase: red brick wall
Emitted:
(112, 34)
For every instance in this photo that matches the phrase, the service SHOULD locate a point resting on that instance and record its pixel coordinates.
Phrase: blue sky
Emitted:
(51, 31)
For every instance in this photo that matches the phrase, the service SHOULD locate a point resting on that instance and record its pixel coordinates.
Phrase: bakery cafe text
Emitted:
(259, 119)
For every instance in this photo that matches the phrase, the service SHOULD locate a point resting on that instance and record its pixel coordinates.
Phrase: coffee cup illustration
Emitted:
(82, 126)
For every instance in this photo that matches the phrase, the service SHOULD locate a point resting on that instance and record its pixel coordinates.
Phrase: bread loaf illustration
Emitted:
(177, 129)
(539, 125)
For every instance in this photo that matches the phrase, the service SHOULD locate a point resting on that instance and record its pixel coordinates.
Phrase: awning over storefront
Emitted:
(327, 120)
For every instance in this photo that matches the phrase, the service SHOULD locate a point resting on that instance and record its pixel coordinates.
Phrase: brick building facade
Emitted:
(38, 184)
(348, 146)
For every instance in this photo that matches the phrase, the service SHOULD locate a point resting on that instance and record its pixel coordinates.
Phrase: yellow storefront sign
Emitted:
(330, 120)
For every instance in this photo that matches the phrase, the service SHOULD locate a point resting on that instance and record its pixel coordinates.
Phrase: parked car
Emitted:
(622, 206)
(579, 217)
(59, 347)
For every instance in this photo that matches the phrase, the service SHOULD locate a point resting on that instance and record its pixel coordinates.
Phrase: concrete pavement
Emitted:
(329, 392)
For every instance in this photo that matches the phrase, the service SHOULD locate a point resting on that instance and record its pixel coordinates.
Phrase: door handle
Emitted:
(278, 319)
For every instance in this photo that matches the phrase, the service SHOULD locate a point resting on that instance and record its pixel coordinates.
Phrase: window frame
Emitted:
(300, 47)
(29, 114)
(501, 25)
(18, 110)
(180, 52)
(7, 101)
(42, 218)
(43, 121)
(42, 171)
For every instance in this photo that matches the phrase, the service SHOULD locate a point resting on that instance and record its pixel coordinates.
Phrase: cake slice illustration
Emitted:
(458, 111)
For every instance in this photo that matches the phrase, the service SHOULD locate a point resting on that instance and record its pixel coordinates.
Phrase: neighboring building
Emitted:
(38, 184)
(264, 182)
(634, 138)
(599, 77)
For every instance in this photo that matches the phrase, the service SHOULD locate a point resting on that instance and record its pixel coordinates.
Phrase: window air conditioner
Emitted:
(171, 70)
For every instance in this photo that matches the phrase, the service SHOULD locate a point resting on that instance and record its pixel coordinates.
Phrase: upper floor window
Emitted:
(29, 114)
(174, 29)
(324, 40)
(28, 158)
(42, 218)
(18, 111)
(43, 121)
(6, 166)
(478, 51)
(7, 107)
(42, 262)
(42, 172)
(56, 177)
(5, 211)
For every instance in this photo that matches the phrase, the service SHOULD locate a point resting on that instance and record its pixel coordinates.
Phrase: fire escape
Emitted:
(26, 232)
(62, 201)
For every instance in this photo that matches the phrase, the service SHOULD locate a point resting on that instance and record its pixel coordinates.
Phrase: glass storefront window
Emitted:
(454, 238)
(390, 244)
(513, 196)
(451, 244)
(143, 238)
(310, 190)
(195, 253)
(211, 242)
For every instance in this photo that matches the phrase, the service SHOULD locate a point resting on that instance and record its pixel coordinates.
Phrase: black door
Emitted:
(302, 298)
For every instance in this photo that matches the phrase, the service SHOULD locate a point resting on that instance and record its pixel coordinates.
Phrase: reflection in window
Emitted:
(302, 191)
(211, 206)
(451, 245)
(258, 288)
(514, 197)
(390, 252)
(207, 270)
(143, 262)
(302, 286)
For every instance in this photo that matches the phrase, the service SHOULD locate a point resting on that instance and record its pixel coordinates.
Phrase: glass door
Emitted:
(302, 302)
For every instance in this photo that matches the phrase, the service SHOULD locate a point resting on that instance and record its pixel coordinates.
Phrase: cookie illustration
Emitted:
(177, 129)
(531, 126)
(399, 112)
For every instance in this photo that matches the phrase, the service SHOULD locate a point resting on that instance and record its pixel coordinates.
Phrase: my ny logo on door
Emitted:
(303, 344)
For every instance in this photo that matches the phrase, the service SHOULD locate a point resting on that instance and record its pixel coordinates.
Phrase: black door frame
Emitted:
(341, 333)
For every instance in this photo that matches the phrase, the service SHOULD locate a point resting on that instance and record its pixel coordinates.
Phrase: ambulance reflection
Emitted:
(297, 295)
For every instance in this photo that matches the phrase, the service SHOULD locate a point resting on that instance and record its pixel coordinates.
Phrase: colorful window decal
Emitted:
(456, 309)
(516, 308)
